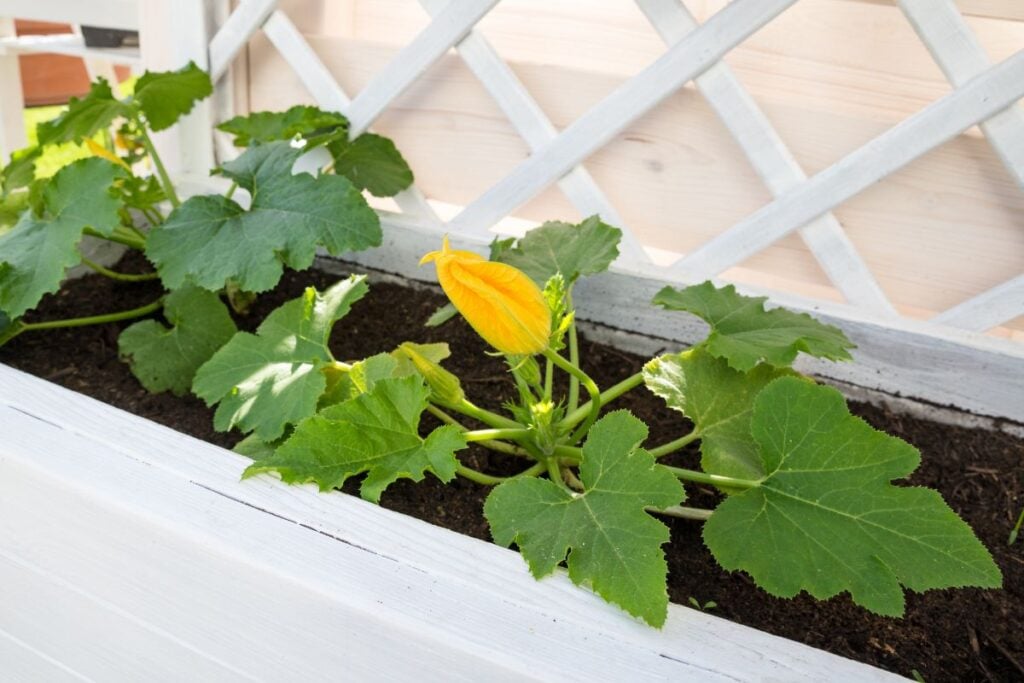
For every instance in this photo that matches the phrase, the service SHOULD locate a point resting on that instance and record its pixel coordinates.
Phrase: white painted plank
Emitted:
(445, 30)
(684, 61)
(328, 95)
(898, 356)
(68, 44)
(985, 95)
(170, 37)
(536, 129)
(235, 33)
(21, 662)
(444, 597)
(773, 161)
(122, 14)
(987, 310)
(51, 614)
(961, 57)
(12, 103)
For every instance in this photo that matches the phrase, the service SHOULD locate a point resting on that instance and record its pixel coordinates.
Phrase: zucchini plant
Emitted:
(200, 248)
(808, 500)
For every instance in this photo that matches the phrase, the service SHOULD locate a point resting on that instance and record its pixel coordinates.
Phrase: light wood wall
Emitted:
(830, 75)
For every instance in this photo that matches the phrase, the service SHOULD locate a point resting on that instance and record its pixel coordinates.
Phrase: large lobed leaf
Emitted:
(826, 518)
(301, 120)
(37, 251)
(372, 163)
(266, 381)
(166, 96)
(719, 401)
(166, 359)
(376, 432)
(84, 116)
(611, 542)
(745, 334)
(211, 239)
(556, 247)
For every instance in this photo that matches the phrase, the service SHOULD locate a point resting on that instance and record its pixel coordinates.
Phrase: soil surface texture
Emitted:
(949, 635)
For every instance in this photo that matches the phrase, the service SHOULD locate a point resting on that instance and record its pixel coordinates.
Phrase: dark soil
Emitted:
(951, 635)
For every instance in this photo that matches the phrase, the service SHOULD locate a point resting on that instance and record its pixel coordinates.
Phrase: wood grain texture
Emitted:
(149, 533)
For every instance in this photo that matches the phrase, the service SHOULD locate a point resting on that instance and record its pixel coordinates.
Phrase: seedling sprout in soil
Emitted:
(809, 501)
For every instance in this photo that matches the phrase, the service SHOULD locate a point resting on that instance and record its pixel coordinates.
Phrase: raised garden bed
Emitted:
(946, 635)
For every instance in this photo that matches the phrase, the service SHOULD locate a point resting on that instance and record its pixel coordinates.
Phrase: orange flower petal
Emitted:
(500, 302)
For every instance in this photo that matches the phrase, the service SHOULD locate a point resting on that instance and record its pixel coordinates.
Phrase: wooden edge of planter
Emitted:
(128, 547)
(917, 360)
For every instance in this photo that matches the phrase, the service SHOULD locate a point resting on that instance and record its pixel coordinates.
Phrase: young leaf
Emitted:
(166, 96)
(84, 117)
(745, 334)
(373, 163)
(210, 239)
(612, 543)
(35, 253)
(826, 519)
(343, 385)
(719, 401)
(166, 359)
(300, 120)
(377, 433)
(554, 247)
(20, 171)
(268, 380)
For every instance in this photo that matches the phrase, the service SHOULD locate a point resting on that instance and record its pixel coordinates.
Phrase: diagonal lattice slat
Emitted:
(773, 161)
(956, 50)
(685, 60)
(535, 128)
(982, 95)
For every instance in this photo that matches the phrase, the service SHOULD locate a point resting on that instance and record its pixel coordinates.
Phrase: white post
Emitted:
(171, 34)
(12, 103)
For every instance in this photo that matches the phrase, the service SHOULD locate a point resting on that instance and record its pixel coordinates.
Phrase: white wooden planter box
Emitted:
(129, 551)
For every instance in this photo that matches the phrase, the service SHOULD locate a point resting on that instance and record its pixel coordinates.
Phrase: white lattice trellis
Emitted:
(982, 94)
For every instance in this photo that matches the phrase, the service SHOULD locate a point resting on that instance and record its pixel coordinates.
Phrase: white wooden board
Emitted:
(130, 551)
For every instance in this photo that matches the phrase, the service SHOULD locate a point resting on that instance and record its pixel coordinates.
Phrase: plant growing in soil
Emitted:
(207, 245)
(808, 503)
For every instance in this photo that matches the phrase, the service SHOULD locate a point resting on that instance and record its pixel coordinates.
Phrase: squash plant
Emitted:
(206, 245)
(808, 500)
(809, 503)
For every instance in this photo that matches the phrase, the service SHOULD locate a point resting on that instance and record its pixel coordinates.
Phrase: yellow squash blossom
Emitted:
(502, 304)
(104, 153)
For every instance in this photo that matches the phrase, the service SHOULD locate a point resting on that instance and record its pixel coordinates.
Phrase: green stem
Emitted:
(555, 473)
(153, 216)
(121, 238)
(485, 416)
(588, 384)
(123, 277)
(673, 446)
(549, 379)
(231, 190)
(607, 396)
(682, 512)
(492, 434)
(491, 480)
(499, 446)
(574, 358)
(94, 319)
(716, 480)
(161, 170)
